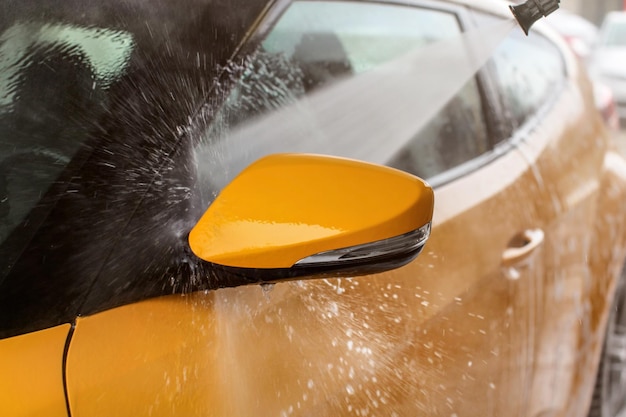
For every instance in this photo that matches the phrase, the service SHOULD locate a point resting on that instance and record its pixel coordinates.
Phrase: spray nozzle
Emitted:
(531, 11)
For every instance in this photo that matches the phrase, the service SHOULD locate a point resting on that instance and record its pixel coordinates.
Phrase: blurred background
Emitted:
(596, 32)
(594, 10)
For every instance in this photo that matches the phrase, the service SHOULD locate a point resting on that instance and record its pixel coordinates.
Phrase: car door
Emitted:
(32, 373)
(452, 333)
(542, 83)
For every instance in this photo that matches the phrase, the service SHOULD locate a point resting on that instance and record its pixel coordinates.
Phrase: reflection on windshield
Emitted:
(52, 81)
(106, 51)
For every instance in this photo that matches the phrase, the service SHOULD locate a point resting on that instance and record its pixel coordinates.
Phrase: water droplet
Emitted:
(267, 288)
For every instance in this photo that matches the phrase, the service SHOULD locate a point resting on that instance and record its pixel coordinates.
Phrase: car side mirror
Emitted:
(290, 216)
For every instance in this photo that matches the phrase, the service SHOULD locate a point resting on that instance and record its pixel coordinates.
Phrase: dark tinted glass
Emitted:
(95, 179)
(56, 79)
(456, 135)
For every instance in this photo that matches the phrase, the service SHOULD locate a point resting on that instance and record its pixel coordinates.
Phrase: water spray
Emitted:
(528, 13)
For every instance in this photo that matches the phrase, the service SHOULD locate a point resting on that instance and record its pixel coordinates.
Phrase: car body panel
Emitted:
(569, 176)
(138, 360)
(32, 373)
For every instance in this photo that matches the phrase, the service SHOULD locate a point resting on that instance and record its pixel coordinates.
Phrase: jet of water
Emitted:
(352, 116)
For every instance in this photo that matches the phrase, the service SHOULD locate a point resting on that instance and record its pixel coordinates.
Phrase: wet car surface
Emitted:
(115, 128)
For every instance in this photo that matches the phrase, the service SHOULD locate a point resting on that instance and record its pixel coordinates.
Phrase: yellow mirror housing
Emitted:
(286, 210)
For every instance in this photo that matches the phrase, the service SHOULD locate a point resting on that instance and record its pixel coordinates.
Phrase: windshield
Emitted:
(94, 101)
(40, 129)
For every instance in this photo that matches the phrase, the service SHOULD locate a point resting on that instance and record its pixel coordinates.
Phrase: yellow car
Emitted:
(224, 208)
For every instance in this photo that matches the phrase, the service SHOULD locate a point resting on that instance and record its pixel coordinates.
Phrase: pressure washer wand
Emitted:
(531, 11)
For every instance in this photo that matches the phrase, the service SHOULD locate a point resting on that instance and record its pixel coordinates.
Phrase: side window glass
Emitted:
(315, 43)
(456, 135)
(529, 70)
(331, 39)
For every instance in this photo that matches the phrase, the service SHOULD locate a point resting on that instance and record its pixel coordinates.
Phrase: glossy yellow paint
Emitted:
(153, 358)
(286, 207)
(31, 366)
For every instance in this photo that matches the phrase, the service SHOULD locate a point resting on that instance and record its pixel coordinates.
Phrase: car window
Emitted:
(529, 71)
(316, 43)
(346, 38)
(95, 186)
(53, 79)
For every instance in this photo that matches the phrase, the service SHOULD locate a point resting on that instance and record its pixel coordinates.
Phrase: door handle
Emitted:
(522, 246)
